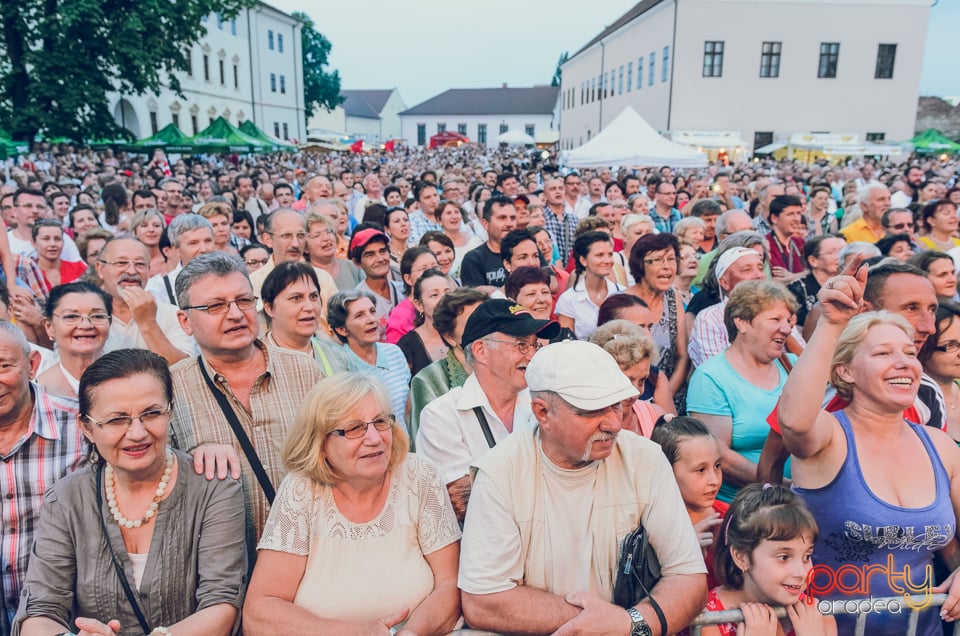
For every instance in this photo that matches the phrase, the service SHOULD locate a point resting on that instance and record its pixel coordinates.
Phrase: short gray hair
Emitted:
(866, 190)
(17, 334)
(723, 221)
(339, 306)
(141, 217)
(184, 223)
(217, 263)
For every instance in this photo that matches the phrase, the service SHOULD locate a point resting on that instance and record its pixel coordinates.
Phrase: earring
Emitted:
(93, 456)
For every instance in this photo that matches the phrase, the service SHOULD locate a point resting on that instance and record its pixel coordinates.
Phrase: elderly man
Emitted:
(40, 443)
(239, 392)
(190, 235)
(373, 190)
(709, 335)
(315, 189)
(285, 233)
(874, 200)
(730, 222)
(139, 320)
(459, 427)
(540, 543)
(247, 197)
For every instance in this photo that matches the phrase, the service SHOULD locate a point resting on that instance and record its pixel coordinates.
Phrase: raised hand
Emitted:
(841, 296)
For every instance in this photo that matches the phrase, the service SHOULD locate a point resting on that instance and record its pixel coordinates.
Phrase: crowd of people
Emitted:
(417, 392)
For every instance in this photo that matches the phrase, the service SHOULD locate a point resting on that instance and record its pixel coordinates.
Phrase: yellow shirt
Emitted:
(860, 231)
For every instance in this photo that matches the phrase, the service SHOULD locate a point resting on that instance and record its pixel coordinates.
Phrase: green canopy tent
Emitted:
(10, 148)
(932, 141)
(220, 137)
(169, 138)
(251, 129)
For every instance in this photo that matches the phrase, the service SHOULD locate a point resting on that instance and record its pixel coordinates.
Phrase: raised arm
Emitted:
(807, 429)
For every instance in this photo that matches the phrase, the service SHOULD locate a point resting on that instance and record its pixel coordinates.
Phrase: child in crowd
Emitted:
(763, 559)
(693, 452)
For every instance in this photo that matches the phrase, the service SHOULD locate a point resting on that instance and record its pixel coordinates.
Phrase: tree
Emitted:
(320, 88)
(558, 74)
(60, 58)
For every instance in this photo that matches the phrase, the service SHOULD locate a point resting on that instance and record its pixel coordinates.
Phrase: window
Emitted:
(504, 128)
(620, 81)
(236, 76)
(602, 86)
(219, 21)
(286, 131)
(761, 139)
(153, 123)
(176, 119)
(462, 129)
(223, 75)
(270, 40)
(280, 42)
(886, 56)
(651, 69)
(829, 54)
(770, 59)
(593, 88)
(583, 92)
(421, 134)
(529, 129)
(206, 67)
(441, 128)
(194, 125)
(189, 63)
(481, 133)
(233, 26)
(712, 59)
(276, 129)
(273, 82)
(666, 64)
(629, 76)
(639, 73)
(210, 121)
(613, 82)
(876, 137)
(283, 84)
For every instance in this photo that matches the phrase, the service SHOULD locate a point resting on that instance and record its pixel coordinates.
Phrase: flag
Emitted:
(388, 146)
(357, 146)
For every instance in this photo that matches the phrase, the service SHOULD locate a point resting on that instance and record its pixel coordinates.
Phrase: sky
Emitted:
(471, 44)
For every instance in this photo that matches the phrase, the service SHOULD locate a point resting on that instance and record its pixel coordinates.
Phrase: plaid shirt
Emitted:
(420, 225)
(274, 400)
(665, 225)
(51, 448)
(562, 229)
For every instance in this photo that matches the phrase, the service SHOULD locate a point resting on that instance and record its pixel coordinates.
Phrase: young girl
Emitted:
(693, 452)
(762, 560)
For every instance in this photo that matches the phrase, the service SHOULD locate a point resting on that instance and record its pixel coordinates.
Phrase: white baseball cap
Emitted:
(580, 372)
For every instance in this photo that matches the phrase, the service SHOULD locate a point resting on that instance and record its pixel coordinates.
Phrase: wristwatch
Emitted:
(640, 627)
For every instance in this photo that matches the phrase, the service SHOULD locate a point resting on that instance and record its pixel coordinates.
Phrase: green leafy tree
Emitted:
(558, 73)
(321, 89)
(60, 58)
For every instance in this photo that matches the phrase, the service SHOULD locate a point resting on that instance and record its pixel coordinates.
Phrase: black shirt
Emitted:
(481, 266)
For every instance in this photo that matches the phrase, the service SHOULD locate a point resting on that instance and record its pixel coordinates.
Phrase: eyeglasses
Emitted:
(356, 430)
(244, 303)
(522, 347)
(663, 260)
(289, 236)
(257, 261)
(951, 347)
(901, 226)
(140, 266)
(123, 422)
(97, 320)
(315, 235)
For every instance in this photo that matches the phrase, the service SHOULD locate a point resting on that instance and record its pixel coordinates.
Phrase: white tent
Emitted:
(516, 138)
(630, 141)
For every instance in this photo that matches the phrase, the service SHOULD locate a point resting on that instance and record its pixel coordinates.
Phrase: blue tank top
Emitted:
(859, 531)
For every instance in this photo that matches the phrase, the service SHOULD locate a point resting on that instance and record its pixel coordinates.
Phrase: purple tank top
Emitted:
(859, 531)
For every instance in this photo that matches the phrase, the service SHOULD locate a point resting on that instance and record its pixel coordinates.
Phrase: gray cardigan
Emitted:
(197, 554)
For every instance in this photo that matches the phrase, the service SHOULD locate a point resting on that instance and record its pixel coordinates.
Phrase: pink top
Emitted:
(400, 321)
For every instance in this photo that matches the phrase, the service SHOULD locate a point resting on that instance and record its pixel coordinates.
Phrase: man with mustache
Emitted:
(540, 543)
(139, 320)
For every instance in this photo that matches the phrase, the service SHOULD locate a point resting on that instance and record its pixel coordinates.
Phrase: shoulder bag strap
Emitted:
(484, 426)
(234, 422)
(116, 562)
(166, 283)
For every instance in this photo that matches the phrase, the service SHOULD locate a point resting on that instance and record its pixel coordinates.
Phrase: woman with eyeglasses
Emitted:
(254, 256)
(940, 357)
(77, 320)
(322, 250)
(358, 510)
(136, 542)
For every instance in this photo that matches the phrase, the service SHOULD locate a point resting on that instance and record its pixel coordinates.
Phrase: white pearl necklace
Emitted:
(108, 480)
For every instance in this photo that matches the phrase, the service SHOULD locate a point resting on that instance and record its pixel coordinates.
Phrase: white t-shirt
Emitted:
(19, 246)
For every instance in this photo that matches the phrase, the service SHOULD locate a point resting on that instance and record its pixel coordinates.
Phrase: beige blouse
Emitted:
(360, 572)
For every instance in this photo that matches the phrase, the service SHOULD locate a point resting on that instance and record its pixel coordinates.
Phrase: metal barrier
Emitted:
(735, 616)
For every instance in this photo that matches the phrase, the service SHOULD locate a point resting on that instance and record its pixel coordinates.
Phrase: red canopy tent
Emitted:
(448, 138)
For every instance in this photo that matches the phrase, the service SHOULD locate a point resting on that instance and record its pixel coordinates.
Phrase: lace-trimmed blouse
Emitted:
(361, 571)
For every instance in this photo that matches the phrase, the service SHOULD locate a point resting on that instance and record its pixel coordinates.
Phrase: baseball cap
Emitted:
(522, 197)
(363, 238)
(731, 256)
(580, 372)
(499, 315)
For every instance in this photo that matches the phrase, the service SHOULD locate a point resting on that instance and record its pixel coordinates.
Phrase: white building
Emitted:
(371, 115)
(482, 114)
(250, 67)
(762, 69)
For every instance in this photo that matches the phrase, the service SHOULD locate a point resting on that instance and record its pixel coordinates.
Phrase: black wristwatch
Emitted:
(640, 626)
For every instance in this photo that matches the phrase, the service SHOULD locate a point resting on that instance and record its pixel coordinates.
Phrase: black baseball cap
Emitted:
(499, 315)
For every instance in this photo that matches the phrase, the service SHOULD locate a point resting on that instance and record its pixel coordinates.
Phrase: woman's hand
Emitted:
(840, 296)
(950, 610)
(93, 627)
(704, 529)
(807, 619)
(27, 311)
(759, 619)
